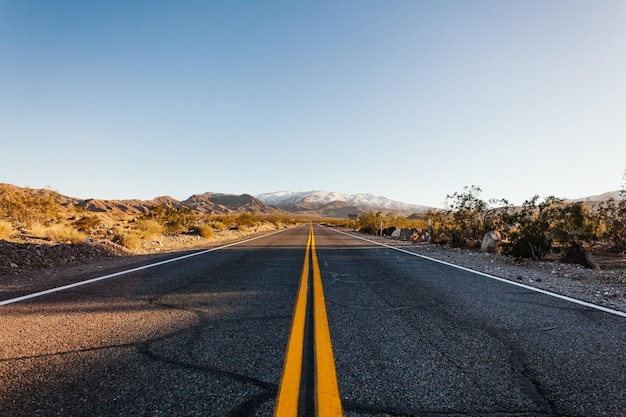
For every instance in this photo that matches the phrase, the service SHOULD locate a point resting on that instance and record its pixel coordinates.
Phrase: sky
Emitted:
(411, 100)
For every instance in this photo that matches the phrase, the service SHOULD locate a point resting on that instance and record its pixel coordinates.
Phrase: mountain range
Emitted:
(307, 203)
(310, 203)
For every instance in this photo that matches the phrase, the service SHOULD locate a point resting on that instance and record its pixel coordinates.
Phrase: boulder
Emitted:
(578, 255)
(490, 241)
(396, 233)
(388, 231)
(405, 234)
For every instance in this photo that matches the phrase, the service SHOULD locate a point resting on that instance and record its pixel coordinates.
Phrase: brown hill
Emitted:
(215, 203)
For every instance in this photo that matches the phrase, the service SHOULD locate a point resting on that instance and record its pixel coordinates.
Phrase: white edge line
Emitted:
(517, 284)
(128, 271)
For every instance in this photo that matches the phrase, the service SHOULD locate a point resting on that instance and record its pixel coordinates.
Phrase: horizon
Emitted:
(182, 199)
(411, 100)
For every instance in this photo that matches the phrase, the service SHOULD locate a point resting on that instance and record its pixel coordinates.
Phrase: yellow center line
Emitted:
(289, 393)
(327, 399)
(328, 402)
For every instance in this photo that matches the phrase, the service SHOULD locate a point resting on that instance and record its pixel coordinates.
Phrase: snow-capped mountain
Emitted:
(317, 199)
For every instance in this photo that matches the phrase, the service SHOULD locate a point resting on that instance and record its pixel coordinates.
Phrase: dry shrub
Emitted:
(217, 225)
(6, 229)
(64, 233)
(206, 231)
(148, 228)
(129, 239)
(38, 230)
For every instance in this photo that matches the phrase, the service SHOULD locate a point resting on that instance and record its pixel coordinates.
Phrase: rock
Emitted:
(490, 241)
(578, 255)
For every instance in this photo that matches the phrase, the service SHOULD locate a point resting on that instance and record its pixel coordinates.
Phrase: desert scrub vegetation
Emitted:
(6, 229)
(64, 234)
(173, 219)
(532, 230)
(27, 206)
(86, 223)
(59, 233)
(130, 239)
(148, 229)
(206, 231)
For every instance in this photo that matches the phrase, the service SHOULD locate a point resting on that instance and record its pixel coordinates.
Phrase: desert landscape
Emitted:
(48, 238)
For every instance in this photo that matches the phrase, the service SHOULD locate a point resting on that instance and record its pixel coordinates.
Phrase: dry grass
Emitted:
(148, 229)
(64, 234)
(218, 225)
(206, 231)
(130, 239)
(6, 229)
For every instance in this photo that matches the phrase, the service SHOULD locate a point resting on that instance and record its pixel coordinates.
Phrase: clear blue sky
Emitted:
(412, 100)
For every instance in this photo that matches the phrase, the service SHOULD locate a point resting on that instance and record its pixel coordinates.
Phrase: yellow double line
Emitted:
(327, 400)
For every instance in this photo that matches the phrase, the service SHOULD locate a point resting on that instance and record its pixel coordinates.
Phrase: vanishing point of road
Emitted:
(308, 321)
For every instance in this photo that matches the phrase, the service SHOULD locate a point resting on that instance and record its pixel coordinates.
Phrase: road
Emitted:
(207, 336)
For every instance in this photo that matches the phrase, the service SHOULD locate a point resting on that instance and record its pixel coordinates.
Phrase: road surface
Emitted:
(208, 335)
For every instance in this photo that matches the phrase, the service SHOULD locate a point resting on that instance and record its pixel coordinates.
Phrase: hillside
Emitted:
(214, 203)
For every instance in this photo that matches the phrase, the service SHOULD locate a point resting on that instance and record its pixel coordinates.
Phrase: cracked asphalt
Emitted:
(206, 336)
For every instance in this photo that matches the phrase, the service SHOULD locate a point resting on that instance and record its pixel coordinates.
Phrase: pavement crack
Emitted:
(269, 390)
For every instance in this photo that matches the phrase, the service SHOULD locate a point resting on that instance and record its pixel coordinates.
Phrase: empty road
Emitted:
(208, 335)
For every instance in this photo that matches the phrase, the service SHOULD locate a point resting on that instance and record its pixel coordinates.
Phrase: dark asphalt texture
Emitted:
(206, 336)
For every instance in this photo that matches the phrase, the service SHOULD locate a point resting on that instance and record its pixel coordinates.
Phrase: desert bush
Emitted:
(87, 223)
(26, 206)
(468, 212)
(533, 234)
(6, 229)
(612, 224)
(205, 231)
(174, 220)
(64, 233)
(246, 219)
(370, 222)
(147, 229)
(217, 225)
(573, 224)
(440, 225)
(130, 239)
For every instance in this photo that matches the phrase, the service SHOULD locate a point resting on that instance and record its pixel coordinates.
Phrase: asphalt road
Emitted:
(207, 336)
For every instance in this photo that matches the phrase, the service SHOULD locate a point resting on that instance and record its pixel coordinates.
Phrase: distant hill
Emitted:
(214, 203)
(615, 195)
